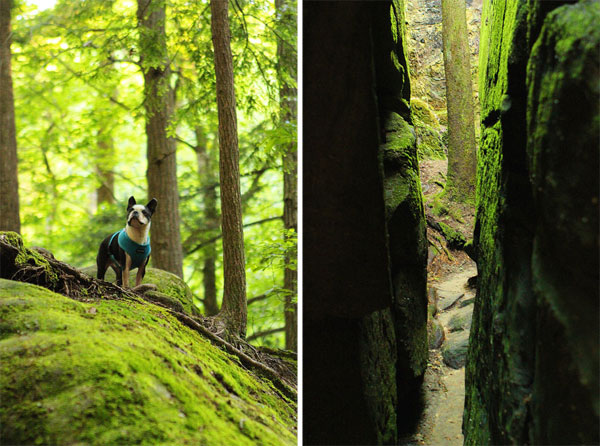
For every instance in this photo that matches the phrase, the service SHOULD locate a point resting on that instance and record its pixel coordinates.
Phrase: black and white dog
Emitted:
(130, 247)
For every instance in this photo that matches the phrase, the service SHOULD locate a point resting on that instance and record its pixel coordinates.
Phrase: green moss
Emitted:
(423, 114)
(439, 208)
(12, 238)
(29, 257)
(479, 432)
(167, 283)
(428, 131)
(454, 238)
(400, 135)
(113, 372)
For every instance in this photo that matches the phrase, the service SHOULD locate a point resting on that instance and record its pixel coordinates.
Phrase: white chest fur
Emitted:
(138, 234)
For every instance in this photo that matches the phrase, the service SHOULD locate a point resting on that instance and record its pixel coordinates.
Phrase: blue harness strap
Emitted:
(138, 253)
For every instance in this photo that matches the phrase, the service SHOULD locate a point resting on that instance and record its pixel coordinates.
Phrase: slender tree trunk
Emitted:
(233, 309)
(211, 220)
(459, 95)
(162, 169)
(9, 182)
(105, 193)
(287, 113)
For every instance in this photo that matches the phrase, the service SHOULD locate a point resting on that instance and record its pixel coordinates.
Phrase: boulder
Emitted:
(124, 372)
(169, 286)
(454, 351)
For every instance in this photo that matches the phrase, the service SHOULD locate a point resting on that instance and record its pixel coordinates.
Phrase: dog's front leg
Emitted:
(126, 271)
(140, 275)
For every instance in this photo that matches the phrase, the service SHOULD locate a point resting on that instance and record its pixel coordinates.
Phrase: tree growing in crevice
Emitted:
(234, 308)
(161, 153)
(286, 56)
(9, 182)
(462, 162)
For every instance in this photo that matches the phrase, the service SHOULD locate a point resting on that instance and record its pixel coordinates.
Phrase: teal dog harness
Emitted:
(138, 253)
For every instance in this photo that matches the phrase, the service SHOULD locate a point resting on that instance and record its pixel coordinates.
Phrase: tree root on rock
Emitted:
(246, 360)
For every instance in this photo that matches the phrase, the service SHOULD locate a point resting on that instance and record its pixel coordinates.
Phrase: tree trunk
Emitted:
(459, 95)
(233, 310)
(9, 182)
(162, 169)
(105, 193)
(211, 220)
(287, 113)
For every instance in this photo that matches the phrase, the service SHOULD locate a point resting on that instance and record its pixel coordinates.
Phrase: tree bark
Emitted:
(9, 182)
(287, 114)
(234, 309)
(211, 220)
(105, 193)
(162, 168)
(462, 162)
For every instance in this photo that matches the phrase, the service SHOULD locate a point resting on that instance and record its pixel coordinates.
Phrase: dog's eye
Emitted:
(146, 213)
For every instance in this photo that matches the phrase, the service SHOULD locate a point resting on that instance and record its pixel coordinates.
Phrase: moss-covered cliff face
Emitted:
(123, 371)
(405, 218)
(532, 370)
(365, 338)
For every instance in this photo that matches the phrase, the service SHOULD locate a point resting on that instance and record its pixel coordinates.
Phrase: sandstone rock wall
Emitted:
(532, 369)
(424, 47)
(364, 246)
(428, 80)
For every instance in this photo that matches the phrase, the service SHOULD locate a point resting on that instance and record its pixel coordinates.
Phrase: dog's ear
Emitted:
(151, 206)
(131, 202)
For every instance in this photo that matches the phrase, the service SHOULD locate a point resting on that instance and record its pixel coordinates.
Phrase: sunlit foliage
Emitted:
(78, 82)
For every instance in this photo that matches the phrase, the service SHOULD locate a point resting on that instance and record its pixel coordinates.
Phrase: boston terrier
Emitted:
(128, 248)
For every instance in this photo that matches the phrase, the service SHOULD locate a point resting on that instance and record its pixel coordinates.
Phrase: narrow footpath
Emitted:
(451, 294)
(444, 386)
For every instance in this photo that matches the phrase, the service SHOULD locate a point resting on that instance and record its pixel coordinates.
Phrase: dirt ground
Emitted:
(448, 274)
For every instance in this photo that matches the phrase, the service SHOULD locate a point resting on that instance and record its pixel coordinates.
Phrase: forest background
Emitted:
(80, 118)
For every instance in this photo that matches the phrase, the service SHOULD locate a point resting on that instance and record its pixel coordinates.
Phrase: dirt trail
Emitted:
(444, 390)
(450, 310)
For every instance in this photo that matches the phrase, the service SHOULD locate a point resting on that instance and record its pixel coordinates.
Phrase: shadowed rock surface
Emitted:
(532, 369)
(365, 305)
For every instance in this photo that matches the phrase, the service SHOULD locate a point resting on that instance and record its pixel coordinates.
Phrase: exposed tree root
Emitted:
(41, 268)
(246, 360)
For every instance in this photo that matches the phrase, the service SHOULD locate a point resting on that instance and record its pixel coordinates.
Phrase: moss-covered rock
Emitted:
(454, 350)
(405, 219)
(532, 369)
(454, 238)
(122, 372)
(428, 130)
(365, 332)
(167, 284)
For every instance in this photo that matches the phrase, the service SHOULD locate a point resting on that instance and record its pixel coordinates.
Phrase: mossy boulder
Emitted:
(168, 286)
(124, 372)
(428, 130)
(460, 320)
(454, 351)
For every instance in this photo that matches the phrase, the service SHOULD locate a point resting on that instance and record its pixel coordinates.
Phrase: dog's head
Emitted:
(140, 215)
